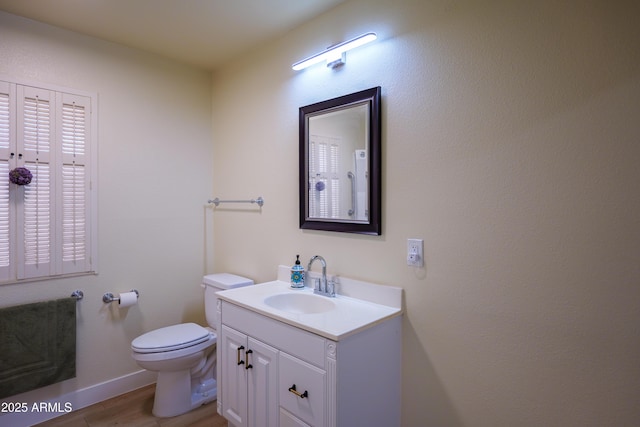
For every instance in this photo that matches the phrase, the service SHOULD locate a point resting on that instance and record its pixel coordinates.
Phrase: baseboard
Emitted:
(17, 412)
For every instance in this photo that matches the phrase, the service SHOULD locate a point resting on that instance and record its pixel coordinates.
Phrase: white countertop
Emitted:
(366, 305)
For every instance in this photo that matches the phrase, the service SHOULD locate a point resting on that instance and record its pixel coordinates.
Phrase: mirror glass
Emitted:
(340, 164)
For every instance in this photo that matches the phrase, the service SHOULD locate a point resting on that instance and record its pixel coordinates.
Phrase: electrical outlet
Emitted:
(415, 252)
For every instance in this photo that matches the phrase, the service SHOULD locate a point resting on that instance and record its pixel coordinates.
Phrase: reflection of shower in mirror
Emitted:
(359, 186)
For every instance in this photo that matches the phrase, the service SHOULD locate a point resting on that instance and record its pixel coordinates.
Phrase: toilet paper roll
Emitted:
(127, 299)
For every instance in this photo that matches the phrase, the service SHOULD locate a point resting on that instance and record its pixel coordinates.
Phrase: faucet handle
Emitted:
(332, 283)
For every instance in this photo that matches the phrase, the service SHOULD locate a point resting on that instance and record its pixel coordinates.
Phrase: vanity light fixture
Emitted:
(335, 55)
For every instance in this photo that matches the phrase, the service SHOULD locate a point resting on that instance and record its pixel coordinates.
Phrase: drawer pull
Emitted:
(293, 390)
(246, 356)
(240, 361)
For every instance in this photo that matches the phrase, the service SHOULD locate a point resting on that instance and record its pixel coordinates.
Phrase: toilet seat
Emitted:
(171, 338)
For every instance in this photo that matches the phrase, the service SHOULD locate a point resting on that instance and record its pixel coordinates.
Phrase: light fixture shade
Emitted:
(335, 51)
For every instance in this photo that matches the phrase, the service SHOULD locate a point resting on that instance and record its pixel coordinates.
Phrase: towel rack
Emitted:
(259, 201)
(77, 294)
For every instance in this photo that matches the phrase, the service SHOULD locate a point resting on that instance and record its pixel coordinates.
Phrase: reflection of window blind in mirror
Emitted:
(335, 180)
(324, 178)
(335, 198)
(312, 158)
(323, 205)
(333, 163)
(322, 158)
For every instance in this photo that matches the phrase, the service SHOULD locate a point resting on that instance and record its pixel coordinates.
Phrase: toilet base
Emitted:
(175, 394)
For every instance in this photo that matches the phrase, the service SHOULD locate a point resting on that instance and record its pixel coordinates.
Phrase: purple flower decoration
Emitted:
(20, 176)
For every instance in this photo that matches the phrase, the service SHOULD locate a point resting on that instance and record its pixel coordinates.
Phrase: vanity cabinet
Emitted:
(271, 373)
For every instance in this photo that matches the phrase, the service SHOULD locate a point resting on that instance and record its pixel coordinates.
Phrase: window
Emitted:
(47, 227)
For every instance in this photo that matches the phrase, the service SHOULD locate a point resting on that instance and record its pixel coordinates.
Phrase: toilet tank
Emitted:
(213, 283)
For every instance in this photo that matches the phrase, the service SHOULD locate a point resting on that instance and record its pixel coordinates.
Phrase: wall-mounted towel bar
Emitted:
(259, 201)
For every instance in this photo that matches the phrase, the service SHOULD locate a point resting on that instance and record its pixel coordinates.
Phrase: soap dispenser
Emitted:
(297, 274)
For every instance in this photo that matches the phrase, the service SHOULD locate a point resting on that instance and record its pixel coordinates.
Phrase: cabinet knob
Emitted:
(293, 390)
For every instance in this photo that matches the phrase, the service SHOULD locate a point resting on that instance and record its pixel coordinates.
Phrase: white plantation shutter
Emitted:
(37, 224)
(47, 226)
(5, 242)
(36, 125)
(7, 140)
(74, 183)
(6, 114)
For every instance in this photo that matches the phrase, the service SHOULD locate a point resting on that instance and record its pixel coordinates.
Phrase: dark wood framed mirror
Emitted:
(340, 164)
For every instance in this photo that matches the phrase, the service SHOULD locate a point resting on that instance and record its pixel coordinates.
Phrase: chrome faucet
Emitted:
(321, 285)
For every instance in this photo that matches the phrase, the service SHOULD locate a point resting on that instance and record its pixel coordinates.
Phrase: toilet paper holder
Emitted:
(109, 297)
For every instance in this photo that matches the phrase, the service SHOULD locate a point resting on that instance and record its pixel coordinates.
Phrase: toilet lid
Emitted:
(170, 338)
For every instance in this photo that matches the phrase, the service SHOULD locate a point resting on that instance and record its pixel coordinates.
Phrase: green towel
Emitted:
(37, 345)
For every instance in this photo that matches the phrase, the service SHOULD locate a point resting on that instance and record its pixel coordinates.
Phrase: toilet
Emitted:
(184, 355)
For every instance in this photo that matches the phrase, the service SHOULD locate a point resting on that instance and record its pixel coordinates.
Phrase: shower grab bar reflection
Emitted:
(352, 177)
(259, 201)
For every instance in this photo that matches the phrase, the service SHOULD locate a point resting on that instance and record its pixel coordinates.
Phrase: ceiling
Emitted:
(204, 33)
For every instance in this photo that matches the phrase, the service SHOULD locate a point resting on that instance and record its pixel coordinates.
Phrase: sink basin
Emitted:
(300, 303)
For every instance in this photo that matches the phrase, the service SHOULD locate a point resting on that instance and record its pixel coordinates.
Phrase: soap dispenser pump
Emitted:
(297, 274)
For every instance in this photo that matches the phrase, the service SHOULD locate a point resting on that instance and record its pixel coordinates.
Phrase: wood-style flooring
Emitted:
(134, 409)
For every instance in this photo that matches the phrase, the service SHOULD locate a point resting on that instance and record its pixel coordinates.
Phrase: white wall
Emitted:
(510, 145)
(155, 177)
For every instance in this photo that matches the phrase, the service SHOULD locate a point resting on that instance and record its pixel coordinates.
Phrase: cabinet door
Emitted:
(234, 376)
(262, 361)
